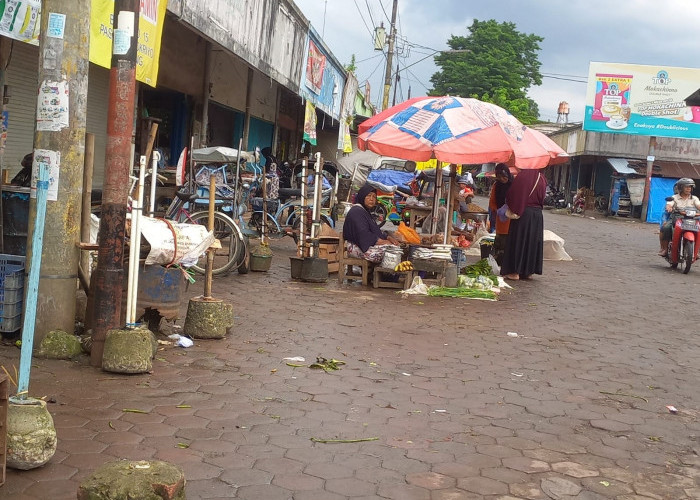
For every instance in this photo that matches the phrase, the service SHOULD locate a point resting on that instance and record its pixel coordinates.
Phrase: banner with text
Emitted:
(152, 17)
(642, 100)
(20, 19)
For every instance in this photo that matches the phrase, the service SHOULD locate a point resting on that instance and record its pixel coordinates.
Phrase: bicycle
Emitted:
(233, 251)
(600, 203)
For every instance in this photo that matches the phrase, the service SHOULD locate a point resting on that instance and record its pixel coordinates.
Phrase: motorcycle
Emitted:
(579, 204)
(554, 198)
(682, 249)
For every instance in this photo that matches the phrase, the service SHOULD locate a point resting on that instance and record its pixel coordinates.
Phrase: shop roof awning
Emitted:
(621, 165)
(677, 169)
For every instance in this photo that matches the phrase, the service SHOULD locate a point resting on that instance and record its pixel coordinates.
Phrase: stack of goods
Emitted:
(443, 252)
(430, 239)
(422, 253)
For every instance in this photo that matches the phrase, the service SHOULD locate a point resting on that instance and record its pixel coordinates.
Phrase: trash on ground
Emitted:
(513, 334)
(299, 359)
(672, 409)
(327, 364)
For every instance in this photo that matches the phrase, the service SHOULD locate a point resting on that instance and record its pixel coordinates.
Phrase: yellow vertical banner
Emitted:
(151, 20)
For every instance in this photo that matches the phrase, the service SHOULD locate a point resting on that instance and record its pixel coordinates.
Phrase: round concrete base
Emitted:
(208, 318)
(31, 435)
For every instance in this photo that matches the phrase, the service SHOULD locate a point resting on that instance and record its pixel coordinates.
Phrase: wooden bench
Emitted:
(346, 262)
(404, 281)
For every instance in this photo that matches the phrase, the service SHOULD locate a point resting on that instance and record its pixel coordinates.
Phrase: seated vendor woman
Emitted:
(363, 238)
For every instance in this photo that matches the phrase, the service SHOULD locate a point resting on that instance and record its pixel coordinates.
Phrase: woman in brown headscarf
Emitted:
(497, 199)
(525, 198)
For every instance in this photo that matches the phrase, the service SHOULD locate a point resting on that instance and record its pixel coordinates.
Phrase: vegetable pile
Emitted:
(481, 268)
(469, 293)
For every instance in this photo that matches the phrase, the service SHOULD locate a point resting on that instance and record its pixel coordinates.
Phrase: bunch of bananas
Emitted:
(406, 265)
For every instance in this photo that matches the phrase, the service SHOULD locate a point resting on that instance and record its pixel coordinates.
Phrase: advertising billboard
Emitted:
(642, 100)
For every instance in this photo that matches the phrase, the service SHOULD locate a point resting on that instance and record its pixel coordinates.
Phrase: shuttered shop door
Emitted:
(21, 76)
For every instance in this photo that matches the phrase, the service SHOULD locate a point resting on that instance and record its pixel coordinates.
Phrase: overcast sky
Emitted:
(575, 33)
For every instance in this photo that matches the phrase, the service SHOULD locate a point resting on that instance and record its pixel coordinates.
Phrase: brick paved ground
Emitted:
(459, 410)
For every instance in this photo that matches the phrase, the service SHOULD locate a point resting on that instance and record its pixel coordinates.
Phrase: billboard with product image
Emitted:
(642, 100)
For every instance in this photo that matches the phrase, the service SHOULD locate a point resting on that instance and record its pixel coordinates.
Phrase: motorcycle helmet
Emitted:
(685, 181)
(465, 179)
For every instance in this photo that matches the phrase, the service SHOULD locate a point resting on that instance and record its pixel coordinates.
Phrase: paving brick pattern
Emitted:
(449, 405)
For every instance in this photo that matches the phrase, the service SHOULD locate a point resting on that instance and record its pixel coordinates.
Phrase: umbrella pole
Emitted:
(301, 246)
(449, 209)
(316, 214)
(236, 199)
(436, 198)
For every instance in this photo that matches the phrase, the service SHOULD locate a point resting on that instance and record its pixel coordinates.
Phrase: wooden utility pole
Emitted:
(59, 140)
(108, 279)
(390, 56)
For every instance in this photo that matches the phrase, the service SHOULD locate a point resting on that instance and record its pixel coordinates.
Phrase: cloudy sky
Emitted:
(575, 33)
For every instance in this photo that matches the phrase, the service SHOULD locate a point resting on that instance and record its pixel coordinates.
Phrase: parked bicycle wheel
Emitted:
(379, 214)
(272, 227)
(601, 204)
(231, 238)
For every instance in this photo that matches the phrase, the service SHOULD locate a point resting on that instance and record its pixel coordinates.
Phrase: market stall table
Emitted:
(439, 272)
(417, 212)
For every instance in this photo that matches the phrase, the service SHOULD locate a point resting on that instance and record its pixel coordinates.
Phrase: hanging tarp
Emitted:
(659, 190)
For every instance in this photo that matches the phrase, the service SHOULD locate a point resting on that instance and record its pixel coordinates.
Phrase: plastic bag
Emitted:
(417, 287)
(495, 268)
(409, 234)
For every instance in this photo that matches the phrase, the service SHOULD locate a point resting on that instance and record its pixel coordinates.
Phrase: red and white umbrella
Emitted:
(457, 130)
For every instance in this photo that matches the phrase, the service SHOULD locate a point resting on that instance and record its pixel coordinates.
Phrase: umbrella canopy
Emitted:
(457, 130)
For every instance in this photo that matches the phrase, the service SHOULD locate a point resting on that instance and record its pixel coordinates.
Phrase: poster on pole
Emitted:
(53, 160)
(19, 19)
(52, 106)
(642, 100)
(151, 20)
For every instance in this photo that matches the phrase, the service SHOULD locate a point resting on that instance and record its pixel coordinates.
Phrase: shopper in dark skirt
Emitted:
(525, 198)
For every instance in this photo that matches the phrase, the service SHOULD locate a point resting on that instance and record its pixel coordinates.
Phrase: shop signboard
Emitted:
(21, 20)
(642, 100)
(151, 19)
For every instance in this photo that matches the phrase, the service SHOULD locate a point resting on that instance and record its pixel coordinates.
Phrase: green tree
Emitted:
(495, 63)
(350, 68)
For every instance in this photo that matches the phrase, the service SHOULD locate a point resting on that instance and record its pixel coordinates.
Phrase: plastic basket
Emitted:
(11, 271)
(459, 258)
(11, 292)
(10, 309)
(11, 324)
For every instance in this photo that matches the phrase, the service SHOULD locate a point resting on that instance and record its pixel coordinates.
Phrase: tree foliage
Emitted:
(495, 63)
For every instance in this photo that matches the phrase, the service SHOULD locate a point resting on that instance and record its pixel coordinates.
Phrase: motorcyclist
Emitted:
(683, 199)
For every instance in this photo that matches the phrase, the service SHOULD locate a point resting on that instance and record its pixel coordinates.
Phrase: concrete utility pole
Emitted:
(108, 279)
(59, 140)
(390, 56)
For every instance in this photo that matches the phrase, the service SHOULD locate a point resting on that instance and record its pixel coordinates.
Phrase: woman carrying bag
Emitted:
(525, 198)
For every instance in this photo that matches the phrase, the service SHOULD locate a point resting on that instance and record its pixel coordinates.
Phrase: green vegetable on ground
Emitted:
(467, 293)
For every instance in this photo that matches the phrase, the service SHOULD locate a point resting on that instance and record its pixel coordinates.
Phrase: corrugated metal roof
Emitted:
(672, 169)
(621, 165)
(678, 169)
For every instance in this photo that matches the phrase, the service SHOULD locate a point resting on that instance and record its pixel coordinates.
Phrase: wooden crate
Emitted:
(330, 253)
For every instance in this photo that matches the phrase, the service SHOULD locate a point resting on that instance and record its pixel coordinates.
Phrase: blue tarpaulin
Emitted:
(660, 189)
(391, 177)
